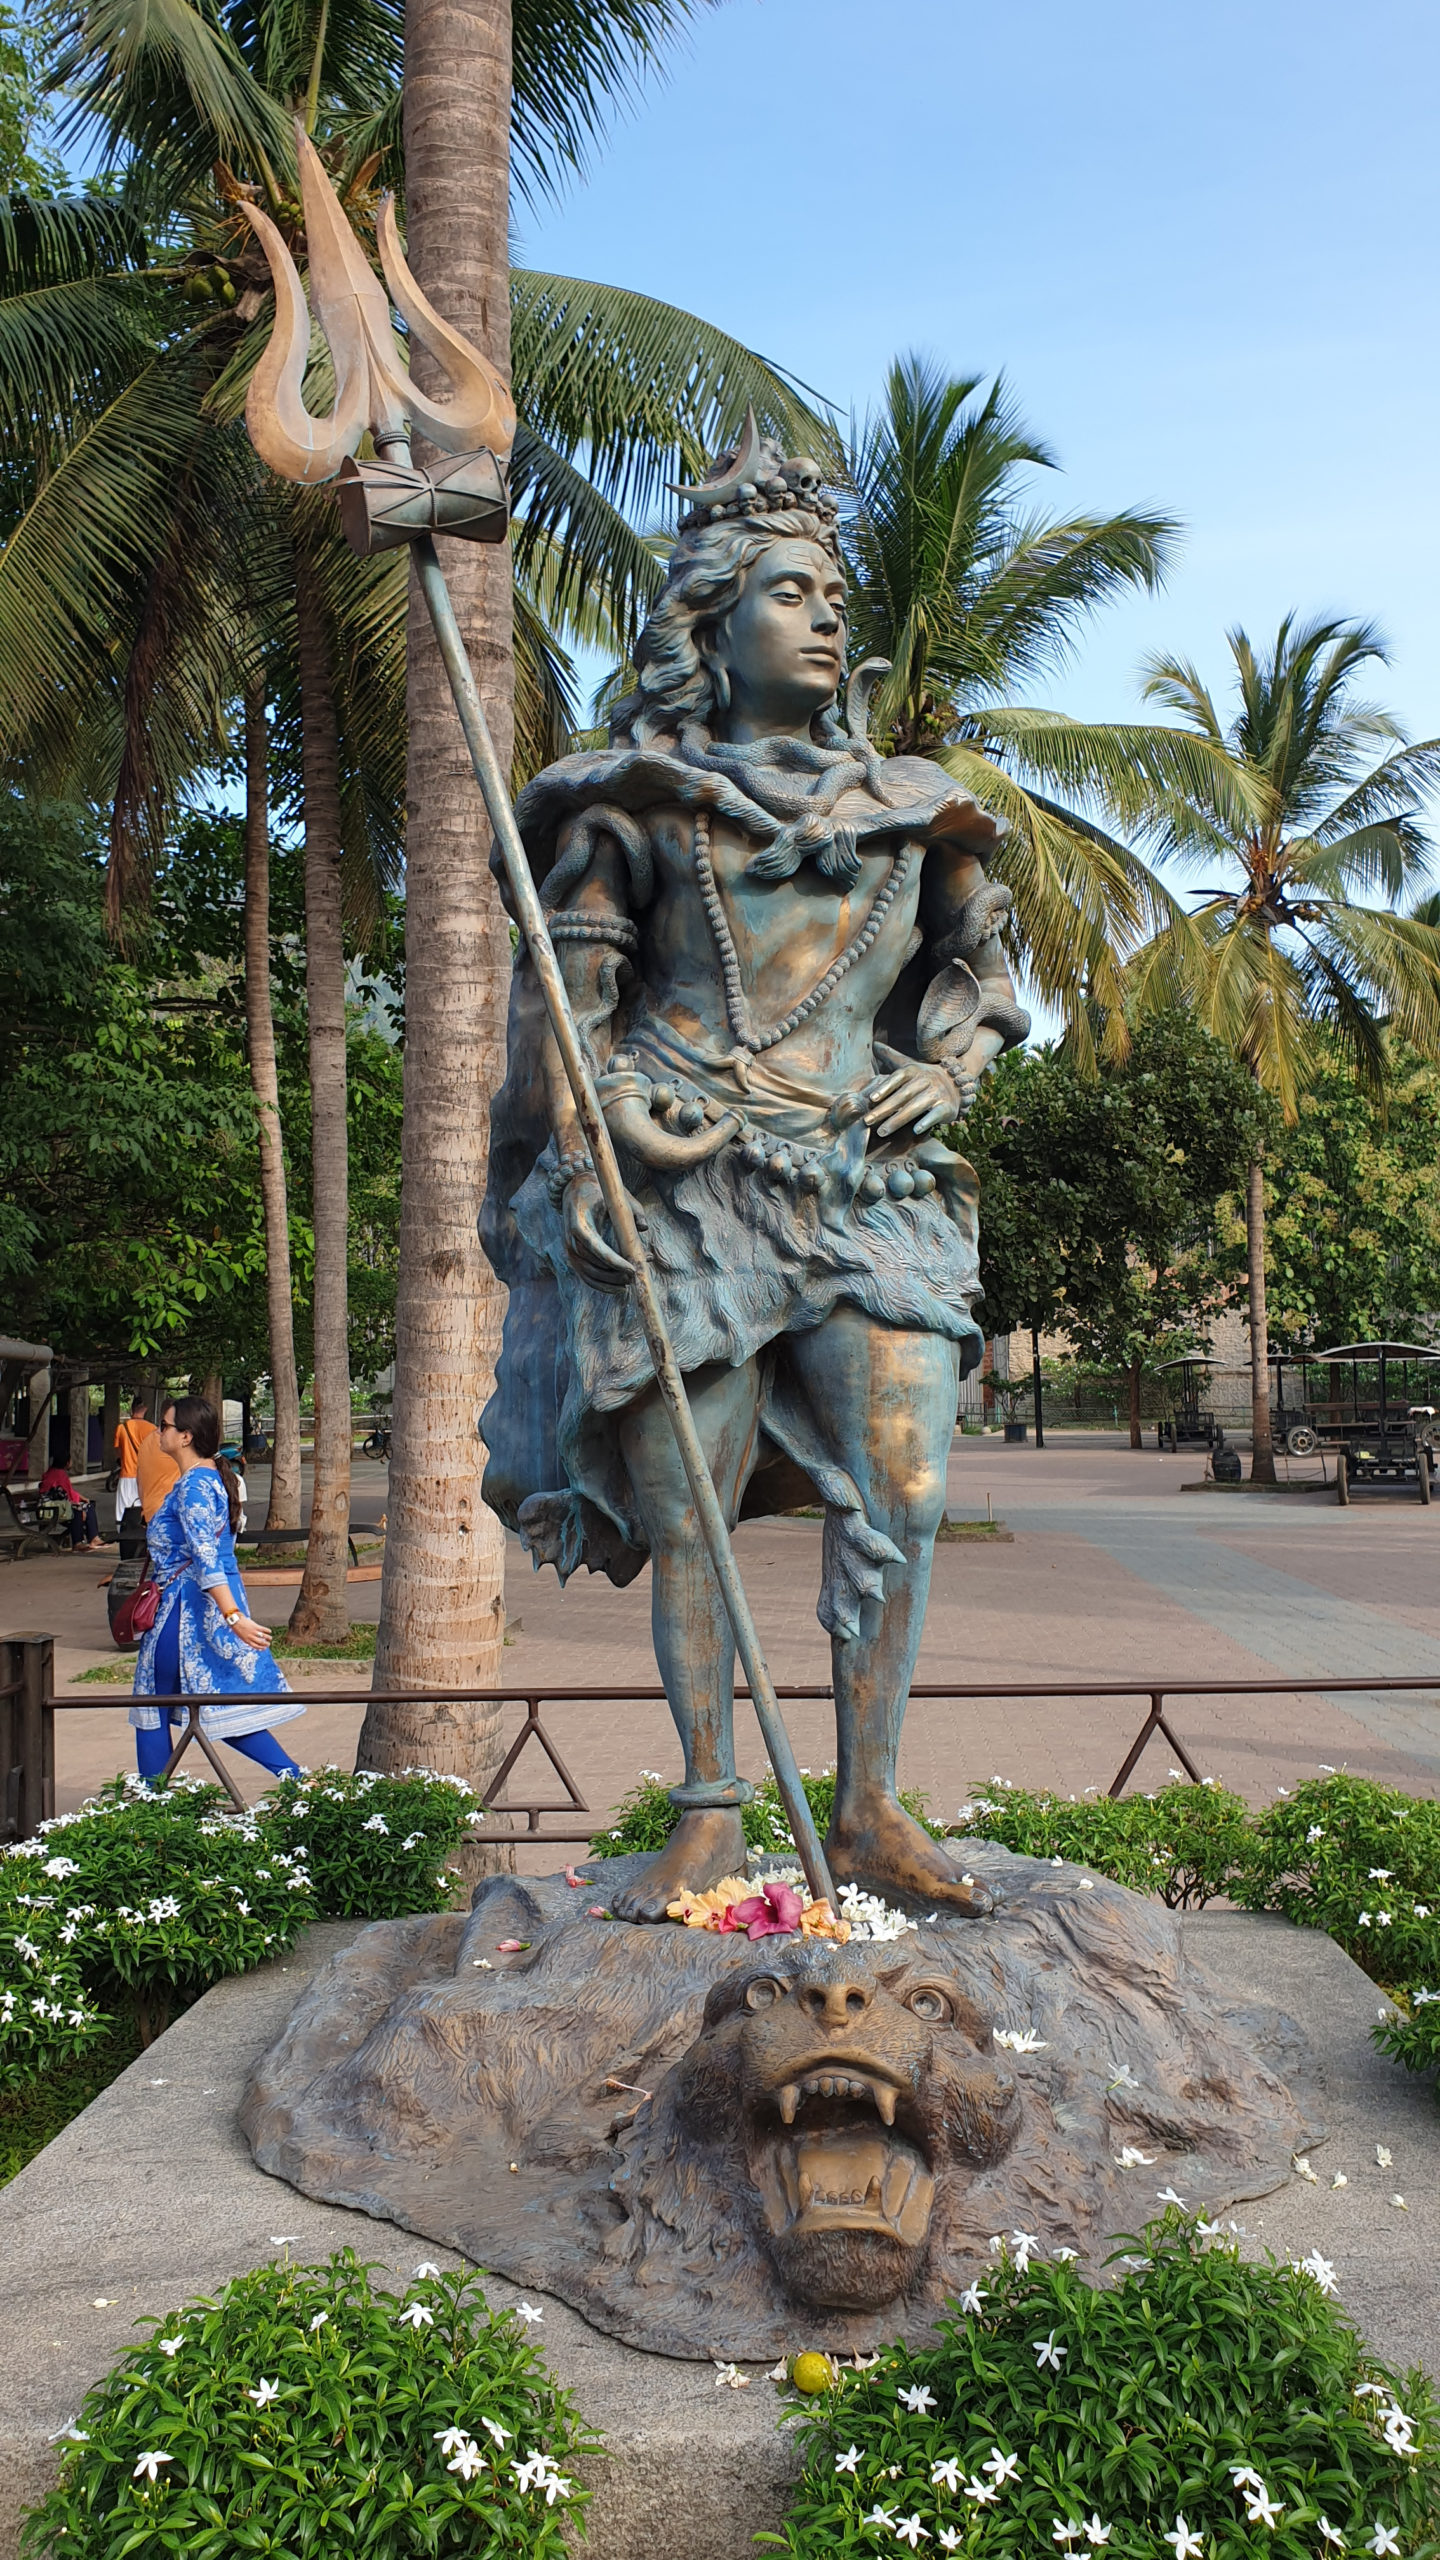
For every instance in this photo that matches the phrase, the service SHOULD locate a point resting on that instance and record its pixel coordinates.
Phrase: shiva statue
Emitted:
(785, 955)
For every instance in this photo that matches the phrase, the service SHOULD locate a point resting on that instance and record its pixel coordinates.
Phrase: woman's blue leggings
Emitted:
(153, 1748)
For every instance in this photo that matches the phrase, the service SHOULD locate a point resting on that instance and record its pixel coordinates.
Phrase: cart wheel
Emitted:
(1342, 1476)
(1422, 1467)
(1300, 1441)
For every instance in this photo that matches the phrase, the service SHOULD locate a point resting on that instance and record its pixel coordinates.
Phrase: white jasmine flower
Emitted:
(1096, 2532)
(267, 2392)
(911, 2530)
(1382, 2156)
(982, 2491)
(1380, 1875)
(951, 2538)
(1063, 2532)
(1339, 2179)
(319, 2321)
(1065, 2257)
(170, 2346)
(1261, 2508)
(377, 1822)
(1046, 2352)
(919, 2399)
(1303, 2169)
(1384, 2538)
(1244, 2477)
(1400, 2203)
(425, 2268)
(416, 2316)
(943, 2475)
(529, 2312)
(1315, 1832)
(849, 2460)
(1128, 2157)
(450, 2439)
(972, 2297)
(467, 2460)
(554, 2487)
(880, 2516)
(493, 2428)
(1318, 2268)
(1331, 2533)
(1187, 2545)
(1399, 2430)
(1020, 2040)
(1087, 1887)
(1002, 2466)
(149, 2465)
(1167, 2195)
(728, 2377)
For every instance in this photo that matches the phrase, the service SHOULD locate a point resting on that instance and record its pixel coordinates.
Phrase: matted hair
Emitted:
(682, 686)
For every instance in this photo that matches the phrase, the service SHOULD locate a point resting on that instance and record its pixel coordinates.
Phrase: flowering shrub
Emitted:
(1360, 1860)
(137, 1901)
(647, 1817)
(376, 1847)
(307, 2411)
(1200, 2406)
(1185, 1843)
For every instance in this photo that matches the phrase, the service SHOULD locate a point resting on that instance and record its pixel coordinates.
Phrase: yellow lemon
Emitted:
(812, 2373)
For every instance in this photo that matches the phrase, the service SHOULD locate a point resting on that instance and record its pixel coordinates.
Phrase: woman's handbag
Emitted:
(135, 1615)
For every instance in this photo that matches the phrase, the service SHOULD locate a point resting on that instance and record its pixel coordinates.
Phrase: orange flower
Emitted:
(817, 1920)
(707, 1910)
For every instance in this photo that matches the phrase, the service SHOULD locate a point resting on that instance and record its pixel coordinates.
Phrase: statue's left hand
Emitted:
(913, 1096)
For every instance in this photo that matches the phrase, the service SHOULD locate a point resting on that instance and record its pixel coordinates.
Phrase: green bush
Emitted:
(1198, 2405)
(1411, 2034)
(1360, 1860)
(1186, 1843)
(307, 2412)
(375, 1846)
(646, 1817)
(138, 1902)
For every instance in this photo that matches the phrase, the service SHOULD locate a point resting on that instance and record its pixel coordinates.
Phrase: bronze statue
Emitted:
(718, 2148)
(785, 955)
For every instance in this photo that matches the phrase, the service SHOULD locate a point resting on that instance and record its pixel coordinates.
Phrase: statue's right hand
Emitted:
(586, 1250)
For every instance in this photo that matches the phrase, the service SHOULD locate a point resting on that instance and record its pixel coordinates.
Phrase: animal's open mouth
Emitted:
(837, 2159)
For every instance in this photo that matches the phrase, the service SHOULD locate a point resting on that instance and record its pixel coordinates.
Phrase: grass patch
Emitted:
(358, 1646)
(32, 2116)
(107, 1674)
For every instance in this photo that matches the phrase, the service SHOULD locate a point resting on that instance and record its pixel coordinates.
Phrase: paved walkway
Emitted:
(1115, 1573)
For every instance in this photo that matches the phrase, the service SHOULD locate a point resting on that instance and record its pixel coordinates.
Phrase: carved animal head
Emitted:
(848, 2093)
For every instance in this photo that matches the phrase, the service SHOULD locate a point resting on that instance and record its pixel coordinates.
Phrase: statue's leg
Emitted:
(885, 1402)
(693, 1644)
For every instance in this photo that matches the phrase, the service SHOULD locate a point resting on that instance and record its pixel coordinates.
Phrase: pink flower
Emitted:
(774, 1912)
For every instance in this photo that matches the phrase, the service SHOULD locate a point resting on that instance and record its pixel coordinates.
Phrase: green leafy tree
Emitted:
(1352, 1209)
(1298, 956)
(1101, 1192)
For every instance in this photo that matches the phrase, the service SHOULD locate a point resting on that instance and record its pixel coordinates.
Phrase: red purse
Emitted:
(136, 1615)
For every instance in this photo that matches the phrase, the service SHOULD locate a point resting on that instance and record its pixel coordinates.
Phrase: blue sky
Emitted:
(1202, 243)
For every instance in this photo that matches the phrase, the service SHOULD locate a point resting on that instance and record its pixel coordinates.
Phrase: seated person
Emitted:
(84, 1526)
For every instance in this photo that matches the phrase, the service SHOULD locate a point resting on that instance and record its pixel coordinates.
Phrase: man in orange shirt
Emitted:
(130, 1438)
(155, 1474)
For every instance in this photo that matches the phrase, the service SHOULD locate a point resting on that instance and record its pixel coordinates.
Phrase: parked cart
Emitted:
(1377, 1420)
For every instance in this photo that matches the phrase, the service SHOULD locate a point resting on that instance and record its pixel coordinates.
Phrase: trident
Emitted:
(390, 502)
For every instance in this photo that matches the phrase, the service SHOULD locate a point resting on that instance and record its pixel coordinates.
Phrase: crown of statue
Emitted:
(756, 479)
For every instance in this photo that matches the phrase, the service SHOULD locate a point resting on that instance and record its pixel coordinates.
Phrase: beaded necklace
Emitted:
(737, 1004)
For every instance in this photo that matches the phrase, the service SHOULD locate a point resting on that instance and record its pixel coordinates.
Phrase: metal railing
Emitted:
(29, 1706)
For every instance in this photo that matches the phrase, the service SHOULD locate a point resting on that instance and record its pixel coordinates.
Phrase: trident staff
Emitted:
(391, 502)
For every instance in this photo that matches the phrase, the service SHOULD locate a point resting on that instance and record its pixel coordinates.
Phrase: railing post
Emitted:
(34, 1728)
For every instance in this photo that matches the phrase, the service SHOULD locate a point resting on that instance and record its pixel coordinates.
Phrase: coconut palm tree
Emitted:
(971, 593)
(1297, 949)
(602, 377)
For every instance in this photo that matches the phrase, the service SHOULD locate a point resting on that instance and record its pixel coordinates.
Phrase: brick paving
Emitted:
(1114, 1573)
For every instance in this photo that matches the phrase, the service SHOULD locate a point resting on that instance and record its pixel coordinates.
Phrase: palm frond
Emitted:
(1390, 791)
(546, 707)
(1395, 961)
(170, 90)
(1151, 777)
(568, 533)
(576, 61)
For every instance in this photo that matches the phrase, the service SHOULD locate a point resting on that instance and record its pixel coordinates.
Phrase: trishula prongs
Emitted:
(373, 389)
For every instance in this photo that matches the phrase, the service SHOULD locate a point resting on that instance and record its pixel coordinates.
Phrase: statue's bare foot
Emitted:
(874, 1843)
(701, 1849)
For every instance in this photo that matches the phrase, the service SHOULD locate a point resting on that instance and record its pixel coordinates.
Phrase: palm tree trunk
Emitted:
(442, 1596)
(321, 1614)
(1262, 1462)
(284, 1510)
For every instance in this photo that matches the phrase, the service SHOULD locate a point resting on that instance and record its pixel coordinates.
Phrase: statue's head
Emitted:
(750, 626)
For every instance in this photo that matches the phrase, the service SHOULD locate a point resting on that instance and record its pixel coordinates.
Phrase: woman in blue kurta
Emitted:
(204, 1643)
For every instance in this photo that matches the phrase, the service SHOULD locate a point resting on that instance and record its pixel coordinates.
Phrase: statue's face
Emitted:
(783, 644)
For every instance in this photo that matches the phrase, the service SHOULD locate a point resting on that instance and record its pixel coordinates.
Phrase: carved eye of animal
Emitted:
(763, 1992)
(929, 2002)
